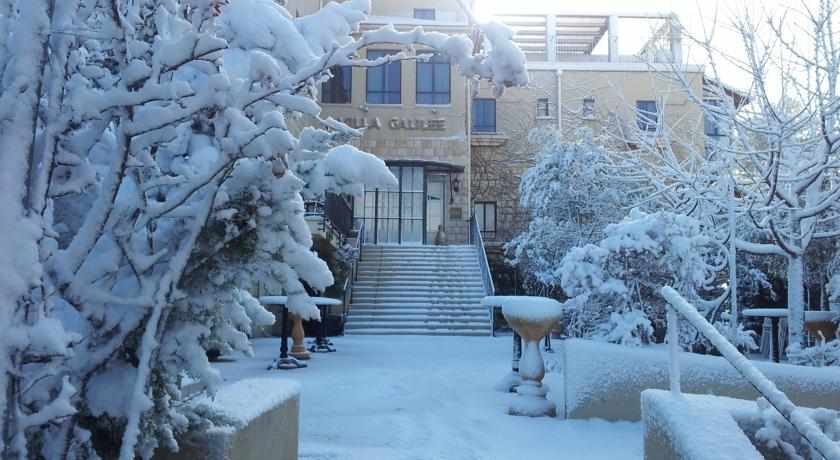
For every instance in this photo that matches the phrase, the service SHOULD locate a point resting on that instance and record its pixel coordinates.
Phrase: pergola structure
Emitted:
(563, 37)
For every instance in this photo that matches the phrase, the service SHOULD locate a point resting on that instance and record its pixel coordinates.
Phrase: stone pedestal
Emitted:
(298, 347)
(531, 400)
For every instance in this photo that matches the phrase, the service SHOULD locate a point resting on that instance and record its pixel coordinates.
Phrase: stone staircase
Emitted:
(421, 290)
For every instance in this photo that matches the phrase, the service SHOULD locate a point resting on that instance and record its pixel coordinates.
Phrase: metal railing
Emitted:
(477, 241)
(807, 428)
(347, 289)
(335, 213)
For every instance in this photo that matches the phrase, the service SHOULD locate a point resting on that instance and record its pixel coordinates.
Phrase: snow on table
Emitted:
(281, 300)
(526, 307)
(395, 398)
(810, 315)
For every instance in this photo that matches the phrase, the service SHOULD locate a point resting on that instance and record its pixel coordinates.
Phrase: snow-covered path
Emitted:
(391, 398)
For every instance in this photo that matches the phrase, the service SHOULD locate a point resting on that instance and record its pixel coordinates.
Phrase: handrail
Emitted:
(478, 241)
(806, 427)
(354, 272)
(360, 240)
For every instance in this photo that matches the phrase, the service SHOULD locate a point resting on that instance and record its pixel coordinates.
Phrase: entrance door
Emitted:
(411, 211)
(435, 205)
(394, 215)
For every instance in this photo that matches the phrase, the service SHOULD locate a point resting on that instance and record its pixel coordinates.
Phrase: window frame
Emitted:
(425, 10)
(547, 102)
(432, 65)
(587, 108)
(386, 68)
(717, 132)
(483, 129)
(486, 233)
(646, 120)
(333, 82)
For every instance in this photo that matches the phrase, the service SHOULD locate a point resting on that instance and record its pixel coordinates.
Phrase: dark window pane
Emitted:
(484, 115)
(710, 123)
(542, 107)
(383, 82)
(337, 89)
(485, 216)
(424, 13)
(433, 81)
(647, 115)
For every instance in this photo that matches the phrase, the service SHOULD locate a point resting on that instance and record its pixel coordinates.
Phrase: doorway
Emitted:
(435, 205)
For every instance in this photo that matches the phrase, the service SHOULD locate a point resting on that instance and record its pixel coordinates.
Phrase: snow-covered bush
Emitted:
(572, 194)
(819, 355)
(614, 284)
(149, 175)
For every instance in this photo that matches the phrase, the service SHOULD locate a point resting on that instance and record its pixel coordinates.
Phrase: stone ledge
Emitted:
(488, 140)
(269, 412)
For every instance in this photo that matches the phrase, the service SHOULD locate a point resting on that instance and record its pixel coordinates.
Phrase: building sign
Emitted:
(414, 124)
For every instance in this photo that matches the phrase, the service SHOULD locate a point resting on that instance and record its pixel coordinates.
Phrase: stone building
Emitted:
(459, 151)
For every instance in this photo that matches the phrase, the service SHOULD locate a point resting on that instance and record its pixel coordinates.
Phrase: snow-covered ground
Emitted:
(396, 397)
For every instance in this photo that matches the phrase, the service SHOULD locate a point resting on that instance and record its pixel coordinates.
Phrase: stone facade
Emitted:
(489, 166)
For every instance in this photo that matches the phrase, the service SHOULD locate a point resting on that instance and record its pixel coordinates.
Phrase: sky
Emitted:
(695, 15)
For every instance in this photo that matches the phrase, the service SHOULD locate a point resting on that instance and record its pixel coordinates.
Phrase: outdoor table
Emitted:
(322, 344)
(285, 361)
(775, 315)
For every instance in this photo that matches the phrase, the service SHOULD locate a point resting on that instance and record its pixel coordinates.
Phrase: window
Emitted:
(433, 81)
(384, 81)
(542, 108)
(647, 115)
(424, 13)
(711, 124)
(337, 89)
(587, 109)
(485, 215)
(484, 115)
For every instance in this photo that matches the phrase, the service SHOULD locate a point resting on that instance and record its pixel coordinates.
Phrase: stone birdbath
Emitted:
(532, 318)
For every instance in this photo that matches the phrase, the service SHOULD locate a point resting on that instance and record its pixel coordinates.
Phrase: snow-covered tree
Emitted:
(614, 284)
(149, 172)
(778, 162)
(572, 193)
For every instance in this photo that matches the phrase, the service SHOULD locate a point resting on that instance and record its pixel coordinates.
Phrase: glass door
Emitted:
(435, 205)
(411, 187)
(394, 215)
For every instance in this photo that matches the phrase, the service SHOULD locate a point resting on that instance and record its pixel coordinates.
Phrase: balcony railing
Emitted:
(334, 213)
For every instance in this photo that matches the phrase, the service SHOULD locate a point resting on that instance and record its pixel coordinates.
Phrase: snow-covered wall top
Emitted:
(687, 428)
(606, 381)
(245, 400)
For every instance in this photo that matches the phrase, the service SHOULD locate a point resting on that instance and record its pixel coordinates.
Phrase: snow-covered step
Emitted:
(449, 324)
(411, 314)
(390, 291)
(434, 290)
(393, 331)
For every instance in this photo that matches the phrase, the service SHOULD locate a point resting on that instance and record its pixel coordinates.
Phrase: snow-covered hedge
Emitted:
(603, 380)
(571, 195)
(614, 284)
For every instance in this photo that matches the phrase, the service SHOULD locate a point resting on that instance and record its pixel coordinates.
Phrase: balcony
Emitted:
(595, 37)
